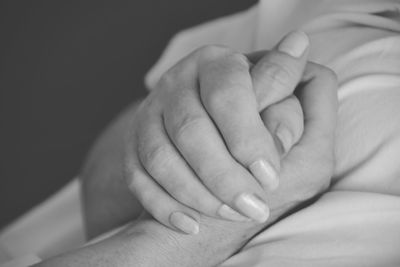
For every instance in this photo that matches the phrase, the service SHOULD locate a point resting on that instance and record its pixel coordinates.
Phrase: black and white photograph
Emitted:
(259, 133)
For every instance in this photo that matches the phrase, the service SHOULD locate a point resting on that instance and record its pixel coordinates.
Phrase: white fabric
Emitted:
(352, 229)
(26, 260)
(50, 228)
(358, 222)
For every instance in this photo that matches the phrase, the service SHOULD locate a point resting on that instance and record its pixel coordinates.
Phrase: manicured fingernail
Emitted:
(294, 44)
(265, 174)
(253, 207)
(184, 223)
(228, 213)
(285, 137)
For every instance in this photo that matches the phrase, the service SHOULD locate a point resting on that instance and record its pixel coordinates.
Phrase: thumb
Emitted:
(276, 73)
(285, 121)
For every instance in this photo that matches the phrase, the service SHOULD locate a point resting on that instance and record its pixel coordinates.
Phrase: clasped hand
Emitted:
(222, 131)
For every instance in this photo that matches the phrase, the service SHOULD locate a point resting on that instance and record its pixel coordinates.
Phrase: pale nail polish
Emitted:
(285, 137)
(228, 213)
(265, 174)
(252, 207)
(184, 223)
(294, 44)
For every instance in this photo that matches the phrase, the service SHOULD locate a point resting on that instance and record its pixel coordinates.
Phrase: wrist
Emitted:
(216, 241)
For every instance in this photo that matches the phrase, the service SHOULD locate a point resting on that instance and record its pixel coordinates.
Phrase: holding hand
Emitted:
(199, 143)
(306, 170)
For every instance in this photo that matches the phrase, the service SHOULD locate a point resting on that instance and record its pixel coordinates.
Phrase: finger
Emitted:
(167, 167)
(276, 73)
(194, 134)
(227, 94)
(185, 67)
(156, 201)
(318, 97)
(286, 123)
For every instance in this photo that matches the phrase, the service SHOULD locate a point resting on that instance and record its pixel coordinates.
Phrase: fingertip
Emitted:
(228, 213)
(266, 175)
(253, 207)
(184, 223)
(285, 138)
(294, 44)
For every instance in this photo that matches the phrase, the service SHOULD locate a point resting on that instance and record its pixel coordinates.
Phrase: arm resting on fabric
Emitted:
(149, 243)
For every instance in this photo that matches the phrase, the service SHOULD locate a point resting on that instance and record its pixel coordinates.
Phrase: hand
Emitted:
(306, 171)
(198, 142)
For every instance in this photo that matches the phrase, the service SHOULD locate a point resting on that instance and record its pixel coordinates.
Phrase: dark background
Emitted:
(66, 69)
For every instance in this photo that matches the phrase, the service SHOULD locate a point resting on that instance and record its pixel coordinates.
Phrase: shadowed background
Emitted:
(66, 69)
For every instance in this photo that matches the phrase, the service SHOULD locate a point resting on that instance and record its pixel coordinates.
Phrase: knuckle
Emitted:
(247, 147)
(240, 148)
(220, 98)
(278, 76)
(185, 126)
(240, 60)
(219, 181)
(182, 192)
(157, 158)
(227, 64)
(227, 93)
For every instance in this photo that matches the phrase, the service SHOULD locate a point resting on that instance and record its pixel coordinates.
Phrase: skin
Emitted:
(259, 87)
(176, 156)
(201, 128)
(305, 171)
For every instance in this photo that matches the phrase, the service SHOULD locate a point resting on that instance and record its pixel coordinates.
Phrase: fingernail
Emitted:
(252, 207)
(285, 137)
(265, 174)
(294, 44)
(184, 223)
(228, 213)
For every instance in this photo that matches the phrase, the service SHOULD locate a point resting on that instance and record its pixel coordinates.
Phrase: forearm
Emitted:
(121, 250)
(158, 245)
(148, 243)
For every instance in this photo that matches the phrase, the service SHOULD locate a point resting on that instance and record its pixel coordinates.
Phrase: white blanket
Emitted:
(357, 223)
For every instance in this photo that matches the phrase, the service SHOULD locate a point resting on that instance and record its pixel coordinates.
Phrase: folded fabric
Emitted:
(357, 222)
(49, 229)
(357, 229)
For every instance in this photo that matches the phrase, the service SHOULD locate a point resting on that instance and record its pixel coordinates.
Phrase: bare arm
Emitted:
(306, 171)
(149, 243)
(198, 179)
